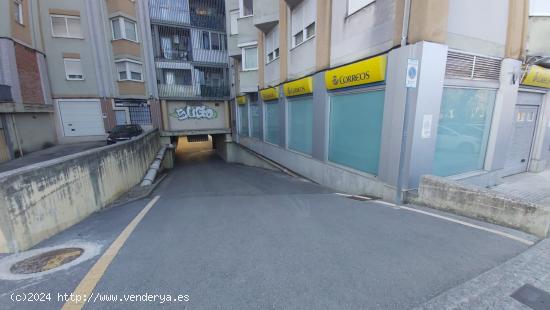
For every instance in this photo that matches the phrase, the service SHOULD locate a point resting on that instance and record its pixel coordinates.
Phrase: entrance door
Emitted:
(519, 149)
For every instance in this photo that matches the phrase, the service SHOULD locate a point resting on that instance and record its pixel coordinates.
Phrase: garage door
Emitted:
(521, 143)
(81, 118)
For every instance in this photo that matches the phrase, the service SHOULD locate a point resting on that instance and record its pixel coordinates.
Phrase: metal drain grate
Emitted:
(46, 261)
(532, 297)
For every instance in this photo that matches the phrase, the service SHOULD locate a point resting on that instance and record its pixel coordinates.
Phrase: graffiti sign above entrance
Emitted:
(194, 112)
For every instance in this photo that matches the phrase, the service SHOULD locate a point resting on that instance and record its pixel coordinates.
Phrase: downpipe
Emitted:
(155, 166)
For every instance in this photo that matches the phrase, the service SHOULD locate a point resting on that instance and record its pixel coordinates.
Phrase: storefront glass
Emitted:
(255, 120)
(272, 112)
(463, 131)
(243, 114)
(300, 124)
(355, 130)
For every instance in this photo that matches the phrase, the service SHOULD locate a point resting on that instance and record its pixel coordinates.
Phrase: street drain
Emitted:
(46, 261)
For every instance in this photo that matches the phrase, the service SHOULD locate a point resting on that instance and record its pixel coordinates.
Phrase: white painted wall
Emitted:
(367, 32)
(478, 26)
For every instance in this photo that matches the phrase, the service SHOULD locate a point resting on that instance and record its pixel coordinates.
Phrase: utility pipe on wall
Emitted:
(406, 18)
(155, 166)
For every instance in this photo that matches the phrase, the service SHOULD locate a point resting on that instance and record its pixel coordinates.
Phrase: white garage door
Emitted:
(81, 118)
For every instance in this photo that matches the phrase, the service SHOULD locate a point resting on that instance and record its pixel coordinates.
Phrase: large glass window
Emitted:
(463, 131)
(250, 58)
(272, 128)
(300, 124)
(356, 129)
(243, 113)
(66, 26)
(247, 8)
(255, 120)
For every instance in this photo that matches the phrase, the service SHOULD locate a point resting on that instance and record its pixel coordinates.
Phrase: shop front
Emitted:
(299, 95)
(272, 115)
(356, 108)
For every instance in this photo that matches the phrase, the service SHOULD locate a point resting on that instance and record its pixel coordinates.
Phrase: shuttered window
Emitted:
(303, 22)
(73, 69)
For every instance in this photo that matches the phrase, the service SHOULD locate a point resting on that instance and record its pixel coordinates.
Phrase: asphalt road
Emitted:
(236, 237)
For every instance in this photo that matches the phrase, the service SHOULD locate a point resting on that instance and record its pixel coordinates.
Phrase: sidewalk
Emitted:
(49, 153)
(532, 187)
(493, 289)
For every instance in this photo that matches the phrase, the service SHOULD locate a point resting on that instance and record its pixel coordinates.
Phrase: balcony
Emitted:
(209, 14)
(171, 91)
(169, 12)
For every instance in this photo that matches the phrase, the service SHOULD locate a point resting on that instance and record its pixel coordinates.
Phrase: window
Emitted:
(129, 70)
(124, 28)
(356, 5)
(234, 25)
(303, 22)
(215, 41)
(463, 130)
(246, 8)
(272, 44)
(206, 40)
(272, 123)
(18, 5)
(178, 77)
(66, 26)
(300, 125)
(539, 8)
(250, 58)
(73, 69)
(243, 113)
(255, 110)
(355, 130)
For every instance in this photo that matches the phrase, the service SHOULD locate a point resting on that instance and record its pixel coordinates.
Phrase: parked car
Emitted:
(123, 133)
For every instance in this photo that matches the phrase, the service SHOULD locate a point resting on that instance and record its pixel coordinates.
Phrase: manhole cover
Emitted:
(46, 261)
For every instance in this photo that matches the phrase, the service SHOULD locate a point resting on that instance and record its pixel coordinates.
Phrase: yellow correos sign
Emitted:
(241, 99)
(269, 93)
(364, 72)
(538, 77)
(299, 87)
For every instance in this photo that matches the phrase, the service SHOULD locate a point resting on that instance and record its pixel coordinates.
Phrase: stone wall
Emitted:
(40, 200)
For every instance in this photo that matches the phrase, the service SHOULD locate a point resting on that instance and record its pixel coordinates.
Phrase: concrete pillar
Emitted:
(424, 104)
(428, 21)
(503, 115)
(283, 40)
(322, 34)
(261, 59)
(516, 36)
(283, 118)
(320, 107)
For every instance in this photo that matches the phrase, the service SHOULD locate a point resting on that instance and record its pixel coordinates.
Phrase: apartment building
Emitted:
(366, 96)
(189, 54)
(26, 112)
(97, 70)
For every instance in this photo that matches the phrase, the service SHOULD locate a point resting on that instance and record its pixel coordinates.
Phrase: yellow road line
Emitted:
(87, 285)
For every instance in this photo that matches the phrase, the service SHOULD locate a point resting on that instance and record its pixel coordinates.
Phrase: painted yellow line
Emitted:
(87, 285)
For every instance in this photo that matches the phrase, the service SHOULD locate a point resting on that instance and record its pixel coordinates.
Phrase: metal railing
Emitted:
(208, 14)
(193, 91)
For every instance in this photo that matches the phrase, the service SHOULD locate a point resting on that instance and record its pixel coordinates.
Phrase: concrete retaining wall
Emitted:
(43, 199)
(484, 204)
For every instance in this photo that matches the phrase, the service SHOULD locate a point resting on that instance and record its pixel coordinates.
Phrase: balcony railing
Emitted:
(192, 92)
(202, 13)
(174, 55)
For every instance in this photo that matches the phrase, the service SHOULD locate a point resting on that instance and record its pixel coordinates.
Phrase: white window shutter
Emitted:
(310, 12)
(297, 19)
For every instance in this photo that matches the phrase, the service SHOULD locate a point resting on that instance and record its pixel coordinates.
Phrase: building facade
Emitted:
(368, 96)
(26, 111)
(188, 48)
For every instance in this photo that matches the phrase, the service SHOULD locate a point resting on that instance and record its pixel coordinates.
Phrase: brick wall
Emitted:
(29, 75)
